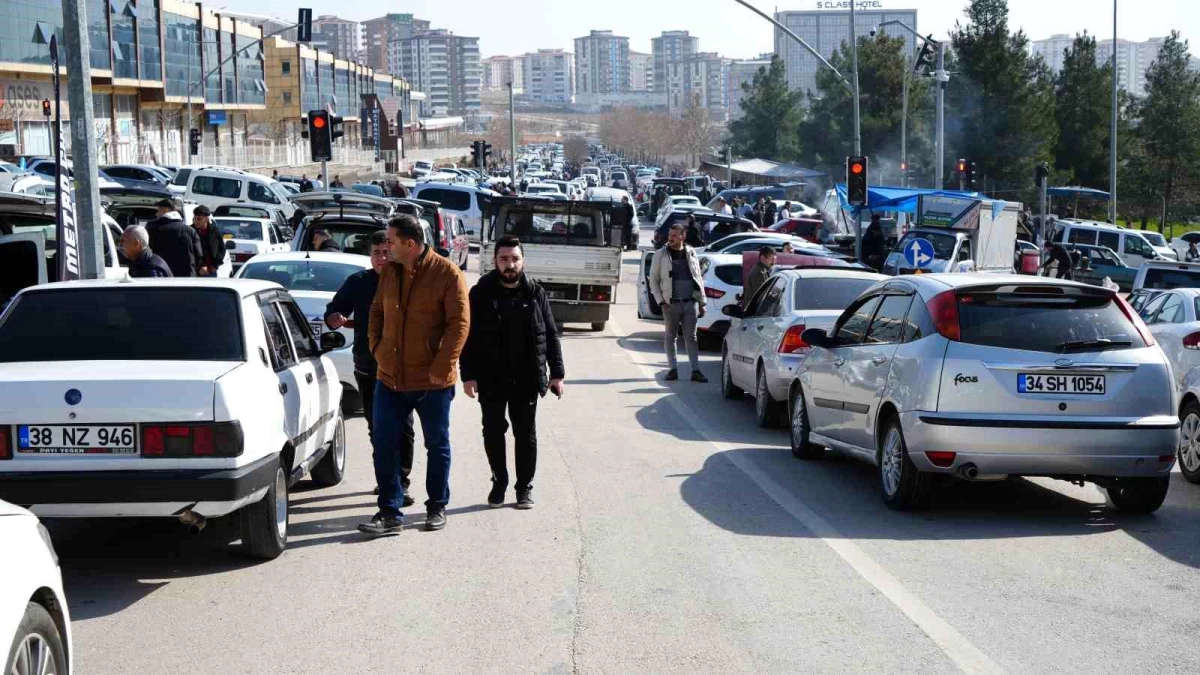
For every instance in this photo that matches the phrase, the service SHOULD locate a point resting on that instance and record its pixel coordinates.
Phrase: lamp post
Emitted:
(1112, 149)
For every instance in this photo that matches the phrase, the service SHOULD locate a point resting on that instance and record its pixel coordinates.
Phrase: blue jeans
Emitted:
(392, 408)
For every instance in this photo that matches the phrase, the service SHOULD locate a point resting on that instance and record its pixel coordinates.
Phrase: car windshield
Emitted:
(1045, 322)
(301, 275)
(1154, 238)
(943, 244)
(234, 228)
(123, 324)
(368, 189)
(181, 177)
(828, 293)
(1163, 279)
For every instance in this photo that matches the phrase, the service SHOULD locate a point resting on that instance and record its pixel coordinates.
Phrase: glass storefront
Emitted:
(250, 77)
(183, 56)
(212, 83)
(125, 58)
(149, 53)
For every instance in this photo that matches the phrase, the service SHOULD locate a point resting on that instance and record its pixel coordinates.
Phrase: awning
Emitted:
(1076, 191)
(881, 198)
(767, 169)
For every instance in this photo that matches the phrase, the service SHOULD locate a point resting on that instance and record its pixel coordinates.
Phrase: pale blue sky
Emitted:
(518, 26)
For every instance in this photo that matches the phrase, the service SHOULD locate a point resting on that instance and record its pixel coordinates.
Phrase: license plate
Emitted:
(1028, 383)
(556, 295)
(317, 327)
(76, 439)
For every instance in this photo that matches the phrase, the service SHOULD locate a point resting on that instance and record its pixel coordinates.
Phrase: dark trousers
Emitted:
(391, 409)
(522, 410)
(366, 389)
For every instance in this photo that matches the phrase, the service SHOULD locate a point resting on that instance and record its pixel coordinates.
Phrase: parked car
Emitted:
(1160, 244)
(763, 347)
(1181, 243)
(214, 187)
(146, 173)
(1094, 264)
(471, 204)
(35, 619)
(1175, 324)
(172, 398)
(247, 237)
(368, 189)
(421, 169)
(26, 184)
(447, 233)
(722, 285)
(1130, 245)
(985, 376)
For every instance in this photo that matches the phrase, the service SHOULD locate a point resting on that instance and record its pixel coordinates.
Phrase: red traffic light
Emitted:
(856, 168)
(903, 166)
(318, 122)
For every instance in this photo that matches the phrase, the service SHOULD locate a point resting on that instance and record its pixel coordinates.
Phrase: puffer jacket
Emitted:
(660, 275)
(485, 360)
(419, 323)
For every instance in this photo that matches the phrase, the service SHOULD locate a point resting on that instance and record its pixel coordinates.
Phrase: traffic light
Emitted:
(319, 142)
(476, 153)
(924, 57)
(966, 173)
(856, 181)
(194, 142)
(46, 107)
(335, 128)
(487, 151)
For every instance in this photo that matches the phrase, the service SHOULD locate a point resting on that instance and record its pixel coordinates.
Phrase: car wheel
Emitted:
(904, 488)
(598, 325)
(1189, 442)
(766, 409)
(265, 522)
(728, 390)
(332, 467)
(37, 647)
(800, 429)
(1138, 495)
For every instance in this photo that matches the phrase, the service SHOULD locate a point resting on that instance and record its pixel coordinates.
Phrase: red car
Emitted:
(807, 228)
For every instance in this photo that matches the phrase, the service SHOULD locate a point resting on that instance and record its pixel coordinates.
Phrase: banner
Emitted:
(960, 213)
(64, 200)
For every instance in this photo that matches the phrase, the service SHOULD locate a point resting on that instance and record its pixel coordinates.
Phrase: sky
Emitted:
(723, 26)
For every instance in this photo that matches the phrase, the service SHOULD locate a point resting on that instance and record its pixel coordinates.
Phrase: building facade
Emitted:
(742, 72)
(378, 34)
(826, 30)
(699, 80)
(342, 37)
(498, 71)
(550, 76)
(602, 63)
(671, 46)
(442, 65)
(1133, 58)
(641, 71)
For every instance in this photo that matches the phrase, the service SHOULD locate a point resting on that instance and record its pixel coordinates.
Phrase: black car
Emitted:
(711, 225)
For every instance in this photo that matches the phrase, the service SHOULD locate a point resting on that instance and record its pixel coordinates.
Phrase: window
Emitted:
(217, 187)
(1147, 312)
(769, 302)
(964, 251)
(1135, 245)
(853, 327)
(888, 324)
(1043, 323)
(301, 275)
(730, 274)
(453, 200)
(249, 230)
(1159, 278)
(1110, 240)
(918, 324)
(1172, 310)
(181, 177)
(826, 293)
(302, 337)
(277, 338)
(260, 193)
(1081, 236)
(287, 97)
(286, 67)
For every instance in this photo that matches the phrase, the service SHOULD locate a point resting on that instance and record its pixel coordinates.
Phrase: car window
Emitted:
(964, 251)
(454, 200)
(261, 193)
(236, 228)
(1151, 308)
(918, 324)
(273, 234)
(852, 327)
(827, 293)
(301, 332)
(1135, 245)
(1044, 322)
(768, 305)
(301, 275)
(730, 274)
(1081, 236)
(181, 177)
(888, 324)
(227, 188)
(756, 300)
(1058, 235)
(1161, 278)
(1110, 240)
(1172, 310)
(277, 338)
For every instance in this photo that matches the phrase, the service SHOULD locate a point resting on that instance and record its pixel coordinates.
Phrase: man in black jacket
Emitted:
(212, 244)
(135, 245)
(623, 218)
(512, 340)
(174, 240)
(352, 302)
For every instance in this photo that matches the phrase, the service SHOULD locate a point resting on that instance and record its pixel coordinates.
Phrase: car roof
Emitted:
(318, 256)
(721, 258)
(966, 280)
(245, 287)
(832, 273)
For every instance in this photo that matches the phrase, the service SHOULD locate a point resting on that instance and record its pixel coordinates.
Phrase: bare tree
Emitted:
(576, 149)
(696, 133)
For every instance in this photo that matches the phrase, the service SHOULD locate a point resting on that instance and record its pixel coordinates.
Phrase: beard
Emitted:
(510, 275)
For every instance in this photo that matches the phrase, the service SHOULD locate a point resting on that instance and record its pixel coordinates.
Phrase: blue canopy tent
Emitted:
(904, 200)
(1075, 192)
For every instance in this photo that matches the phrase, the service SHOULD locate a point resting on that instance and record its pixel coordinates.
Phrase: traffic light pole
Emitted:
(325, 174)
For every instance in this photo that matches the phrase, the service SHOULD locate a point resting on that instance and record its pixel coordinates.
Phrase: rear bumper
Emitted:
(211, 492)
(574, 311)
(1044, 447)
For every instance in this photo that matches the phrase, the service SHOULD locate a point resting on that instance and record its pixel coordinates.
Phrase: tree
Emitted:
(1083, 93)
(772, 116)
(575, 148)
(1000, 102)
(1169, 126)
(695, 132)
(828, 132)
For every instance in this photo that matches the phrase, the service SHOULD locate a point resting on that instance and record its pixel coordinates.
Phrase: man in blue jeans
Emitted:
(419, 322)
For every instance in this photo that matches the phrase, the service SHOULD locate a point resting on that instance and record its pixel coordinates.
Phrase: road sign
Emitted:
(918, 253)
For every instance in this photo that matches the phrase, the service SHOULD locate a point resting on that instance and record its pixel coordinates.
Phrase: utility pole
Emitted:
(854, 66)
(1112, 150)
(904, 130)
(729, 166)
(941, 77)
(83, 141)
(512, 136)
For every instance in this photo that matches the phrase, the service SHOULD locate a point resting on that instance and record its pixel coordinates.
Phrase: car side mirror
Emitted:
(332, 340)
(817, 337)
(230, 245)
(734, 311)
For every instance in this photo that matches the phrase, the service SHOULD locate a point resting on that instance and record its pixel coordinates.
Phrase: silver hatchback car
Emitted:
(981, 377)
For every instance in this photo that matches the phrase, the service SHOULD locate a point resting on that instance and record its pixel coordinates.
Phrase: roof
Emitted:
(1076, 191)
(245, 287)
(768, 168)
(315, 256)
(825, 271)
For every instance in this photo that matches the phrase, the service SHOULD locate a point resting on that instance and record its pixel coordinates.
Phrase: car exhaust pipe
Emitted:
(969, 471)
(194, 521)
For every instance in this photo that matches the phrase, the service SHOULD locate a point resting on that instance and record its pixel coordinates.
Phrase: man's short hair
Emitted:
(766, 251)
(406, 226)
(139, 234)
(165, 204)
(377, 238)
(679, 227)
(508, 242)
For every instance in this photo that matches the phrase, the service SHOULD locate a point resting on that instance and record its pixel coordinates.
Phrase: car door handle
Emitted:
(308, 378)
(760, 327)
(839, 362)
(283, 388)
(878, 360)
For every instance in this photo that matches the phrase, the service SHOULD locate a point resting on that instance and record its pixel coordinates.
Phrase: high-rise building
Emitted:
(550, 76)
(742, 72)
(641, 71)
(498, 71)
(1051, 49)
(1133, 58)
(379, 33)
(826, 31)
(602, 63)
(446, 66)
(343, 37)
(671, 46)
(701, 80)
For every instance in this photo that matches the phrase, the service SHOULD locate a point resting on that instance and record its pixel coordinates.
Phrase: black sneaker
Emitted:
(698, 376)
(382, 524)
(525, 500)
(496, 496)
(435, 519)
(672, 374)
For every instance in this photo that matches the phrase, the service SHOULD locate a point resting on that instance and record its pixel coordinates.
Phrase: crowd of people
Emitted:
(169, 247)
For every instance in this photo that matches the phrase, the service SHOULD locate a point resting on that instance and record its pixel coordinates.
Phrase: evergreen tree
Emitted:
(1169, 128)
(772, 116)
(1083, 93)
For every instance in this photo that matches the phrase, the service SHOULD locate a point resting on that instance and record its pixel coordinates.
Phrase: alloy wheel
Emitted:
(1189, 442)
(281, 504)
(34, 656)
(891, 462)
(339, 446)
(799, 421)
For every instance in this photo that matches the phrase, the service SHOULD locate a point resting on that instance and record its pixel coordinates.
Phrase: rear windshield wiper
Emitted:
(1101, 343)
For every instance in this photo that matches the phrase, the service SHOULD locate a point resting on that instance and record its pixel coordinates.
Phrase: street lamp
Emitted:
(941, 77)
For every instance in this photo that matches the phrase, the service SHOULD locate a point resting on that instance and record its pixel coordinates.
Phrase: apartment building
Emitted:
(699, 80)
(602, 63)
(742, 72)
(1133, 58)
(342, 37)
(641, 71)
(671, 46)
(379, 33)
(444, 66)
(498, 71)
(550, 76)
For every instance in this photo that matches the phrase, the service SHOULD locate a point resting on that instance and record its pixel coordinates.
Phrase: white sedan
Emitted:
(34, 619)
(722, 276)
(248, 237)
(313, 278)
(176, 398)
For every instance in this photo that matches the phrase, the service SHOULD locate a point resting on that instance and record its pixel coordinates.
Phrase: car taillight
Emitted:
(943, 309)
(242, 257)
(1191, 341)
(715, 294)
(5, 445)
(204, 439)
(941, 458)
(595, 293)
(1142, 329)
(792, 342)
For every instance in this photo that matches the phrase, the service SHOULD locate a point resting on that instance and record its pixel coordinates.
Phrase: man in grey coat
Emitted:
(677, 286)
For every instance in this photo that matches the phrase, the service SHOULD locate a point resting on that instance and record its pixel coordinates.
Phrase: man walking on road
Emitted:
(678, 287)
(624, 218)
(419, 323)
(212, 244)
(352, 302)
(173, 240)
(512, 341)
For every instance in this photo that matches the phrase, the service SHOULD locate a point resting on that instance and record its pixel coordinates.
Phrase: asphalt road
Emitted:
(670, 534)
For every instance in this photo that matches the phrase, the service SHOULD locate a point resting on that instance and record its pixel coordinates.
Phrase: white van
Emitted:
(468, 202)
(1130, 245)
(217, 186)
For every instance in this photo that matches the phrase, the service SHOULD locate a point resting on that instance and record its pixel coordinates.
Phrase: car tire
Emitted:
(903, 487)
(800, 430)
(332, 467)
(728, 390)
(265, 522)
(766, 409)
(1189, 441)
(1138, 495)
(37, 646)
(598, 326)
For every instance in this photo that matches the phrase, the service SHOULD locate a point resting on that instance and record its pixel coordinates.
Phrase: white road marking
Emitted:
(955, 645)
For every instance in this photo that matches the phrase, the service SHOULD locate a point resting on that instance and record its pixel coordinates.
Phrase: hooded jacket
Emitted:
(176, 243)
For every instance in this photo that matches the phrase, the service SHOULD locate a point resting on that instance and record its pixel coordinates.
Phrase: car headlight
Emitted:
(705, 263)
(45, 534)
